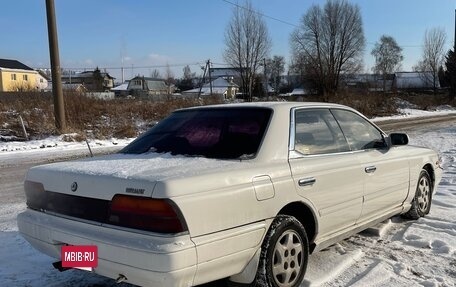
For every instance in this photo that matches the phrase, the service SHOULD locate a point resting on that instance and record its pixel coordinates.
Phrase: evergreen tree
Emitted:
(443, 79)
(450, 64)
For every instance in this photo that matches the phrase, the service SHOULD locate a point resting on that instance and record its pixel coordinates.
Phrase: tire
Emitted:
(421, 203)
(284, 254)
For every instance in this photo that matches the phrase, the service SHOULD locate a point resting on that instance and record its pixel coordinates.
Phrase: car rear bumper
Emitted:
(148, 259)
(143, 259)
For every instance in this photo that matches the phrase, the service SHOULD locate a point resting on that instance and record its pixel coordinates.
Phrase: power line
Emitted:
(136, 67)
(261, 14)
(294, 25)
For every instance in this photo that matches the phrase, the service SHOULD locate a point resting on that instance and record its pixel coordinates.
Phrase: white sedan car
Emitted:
(241, 191)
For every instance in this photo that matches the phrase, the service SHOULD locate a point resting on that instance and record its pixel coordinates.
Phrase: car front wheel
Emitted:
(284, 254)
(421, 203)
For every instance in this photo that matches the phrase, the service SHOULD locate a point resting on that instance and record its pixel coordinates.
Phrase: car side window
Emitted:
(317, 132)
(359, 132)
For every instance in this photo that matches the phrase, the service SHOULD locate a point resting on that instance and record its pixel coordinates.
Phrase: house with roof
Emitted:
(145, 86)
(93, 81)
(42, 81)
(220, 86)
(225, 72)
(228, 73)
(16, 76)
(71, 88)
(121, 90)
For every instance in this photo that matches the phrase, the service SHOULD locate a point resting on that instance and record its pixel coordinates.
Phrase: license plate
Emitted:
(84, 257)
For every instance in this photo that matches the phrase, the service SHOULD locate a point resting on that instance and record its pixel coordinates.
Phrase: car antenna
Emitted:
(90, 150)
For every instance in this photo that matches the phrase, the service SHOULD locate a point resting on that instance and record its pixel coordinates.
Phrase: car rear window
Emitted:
(221, 133)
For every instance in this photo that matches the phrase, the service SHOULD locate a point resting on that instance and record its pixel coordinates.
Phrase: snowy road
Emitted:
(395, 253)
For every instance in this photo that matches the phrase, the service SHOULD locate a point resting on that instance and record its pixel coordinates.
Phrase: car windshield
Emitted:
(221, 133)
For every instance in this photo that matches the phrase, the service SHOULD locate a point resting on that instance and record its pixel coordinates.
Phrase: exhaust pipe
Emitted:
(121, 279)
(58, 265)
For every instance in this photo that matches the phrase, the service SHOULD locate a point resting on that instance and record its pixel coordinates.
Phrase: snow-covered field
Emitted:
(395, 253)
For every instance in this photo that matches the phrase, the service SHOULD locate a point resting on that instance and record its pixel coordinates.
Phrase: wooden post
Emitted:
(59, 107)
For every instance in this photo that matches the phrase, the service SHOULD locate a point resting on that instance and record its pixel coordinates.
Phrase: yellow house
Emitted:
(15, 76)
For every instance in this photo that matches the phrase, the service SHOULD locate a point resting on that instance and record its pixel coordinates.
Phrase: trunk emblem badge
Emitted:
(74, 186)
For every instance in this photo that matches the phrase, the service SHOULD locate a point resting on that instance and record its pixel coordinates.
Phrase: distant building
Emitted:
(93, 81)
(225, 73)
(42, 81)
(121, 90)
(76, 88)
(16, 76)
(301, 91)
(370, 82)
(397, 81)
(233, 74)
(415, 81)
(220, 86)
(145, 86)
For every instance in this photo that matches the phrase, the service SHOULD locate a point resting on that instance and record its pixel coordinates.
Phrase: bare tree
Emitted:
(433, 54)
(186, 83)
(388, 57)
(274, 69)
(155, 74)
(247, 44)
(329, 42)
(188, 75)
(169, 78)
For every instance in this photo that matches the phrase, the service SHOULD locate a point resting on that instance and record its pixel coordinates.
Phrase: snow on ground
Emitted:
(57, 143)
(401, 252)
(397, 252)
(410, 113)
(55, 148)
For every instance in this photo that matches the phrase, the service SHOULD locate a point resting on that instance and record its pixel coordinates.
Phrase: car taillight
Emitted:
(32, 186)
(157, 215)
(34, 192)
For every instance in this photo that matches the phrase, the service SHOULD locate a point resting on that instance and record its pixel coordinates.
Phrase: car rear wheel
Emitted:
(421, 203)
(284, 254)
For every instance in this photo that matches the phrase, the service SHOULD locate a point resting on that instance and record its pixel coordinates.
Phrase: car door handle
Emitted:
(370, 169)
(307, 181)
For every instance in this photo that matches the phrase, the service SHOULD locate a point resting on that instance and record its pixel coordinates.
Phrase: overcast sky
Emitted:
(153, 33)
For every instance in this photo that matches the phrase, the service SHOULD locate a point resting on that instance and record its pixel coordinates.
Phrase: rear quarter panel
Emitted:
(224, 200)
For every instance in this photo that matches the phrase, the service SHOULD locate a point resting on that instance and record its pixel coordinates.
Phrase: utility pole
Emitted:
(210, 79)
(202, 82)
(265, 80)
(59, 107)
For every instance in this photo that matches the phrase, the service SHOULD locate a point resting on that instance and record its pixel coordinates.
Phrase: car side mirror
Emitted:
(398, 139)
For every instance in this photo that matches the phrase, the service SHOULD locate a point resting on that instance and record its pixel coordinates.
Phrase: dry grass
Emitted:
(94, 118)
(369, 104)
(87, 117)
(427, 101)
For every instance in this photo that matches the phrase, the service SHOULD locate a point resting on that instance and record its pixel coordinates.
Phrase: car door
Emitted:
(324, 170)
(386, 170)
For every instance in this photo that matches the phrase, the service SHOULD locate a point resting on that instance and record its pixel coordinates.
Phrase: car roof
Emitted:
(273, 105)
